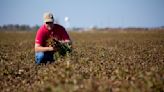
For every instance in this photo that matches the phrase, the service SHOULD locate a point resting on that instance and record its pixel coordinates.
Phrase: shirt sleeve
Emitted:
(65, 35)
(39, 36)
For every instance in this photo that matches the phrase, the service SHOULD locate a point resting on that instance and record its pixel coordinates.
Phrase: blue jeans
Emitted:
(43, 57)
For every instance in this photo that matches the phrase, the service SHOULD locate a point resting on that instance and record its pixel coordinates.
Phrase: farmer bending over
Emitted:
(44, 49)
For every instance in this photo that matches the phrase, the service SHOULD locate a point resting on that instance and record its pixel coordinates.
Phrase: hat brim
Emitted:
(48, 20)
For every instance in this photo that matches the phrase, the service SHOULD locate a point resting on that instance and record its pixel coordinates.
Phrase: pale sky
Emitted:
(85, 13)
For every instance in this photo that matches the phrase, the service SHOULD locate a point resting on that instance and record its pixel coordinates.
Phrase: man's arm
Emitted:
(39, 48)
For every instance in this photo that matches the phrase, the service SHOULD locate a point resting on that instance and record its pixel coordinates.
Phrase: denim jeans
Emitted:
(43, 57)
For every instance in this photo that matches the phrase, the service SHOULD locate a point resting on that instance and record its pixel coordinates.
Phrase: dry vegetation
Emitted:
(120, 61)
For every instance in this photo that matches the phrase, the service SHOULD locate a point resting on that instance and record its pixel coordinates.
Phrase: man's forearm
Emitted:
(43, 49)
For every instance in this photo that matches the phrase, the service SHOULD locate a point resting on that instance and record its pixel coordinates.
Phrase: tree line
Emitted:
(17, 27)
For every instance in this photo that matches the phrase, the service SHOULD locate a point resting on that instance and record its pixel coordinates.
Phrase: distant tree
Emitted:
(162, 27)
(35, 28)
(17, 27)
(24, 27)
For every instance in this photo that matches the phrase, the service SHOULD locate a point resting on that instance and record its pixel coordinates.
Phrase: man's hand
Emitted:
(39, 48)
(50, 49)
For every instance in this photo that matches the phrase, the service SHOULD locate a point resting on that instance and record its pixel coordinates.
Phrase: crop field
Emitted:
(101, 61)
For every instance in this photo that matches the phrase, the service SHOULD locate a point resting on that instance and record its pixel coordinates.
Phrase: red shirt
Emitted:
(43, 34)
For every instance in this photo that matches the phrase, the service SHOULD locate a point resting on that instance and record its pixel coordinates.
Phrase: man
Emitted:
(44, 53)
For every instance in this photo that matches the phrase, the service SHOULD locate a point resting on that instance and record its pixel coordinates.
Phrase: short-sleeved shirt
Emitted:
(43, 34)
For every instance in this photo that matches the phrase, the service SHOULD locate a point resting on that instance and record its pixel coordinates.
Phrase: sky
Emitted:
(85, 13)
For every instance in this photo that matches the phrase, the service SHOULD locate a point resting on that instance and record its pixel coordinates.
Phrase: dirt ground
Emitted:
(114, 61)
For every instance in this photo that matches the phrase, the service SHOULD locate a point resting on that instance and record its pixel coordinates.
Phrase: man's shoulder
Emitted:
(42, 28)
(58, 26)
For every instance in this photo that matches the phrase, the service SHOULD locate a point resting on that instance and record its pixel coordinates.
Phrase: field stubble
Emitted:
(130, 61)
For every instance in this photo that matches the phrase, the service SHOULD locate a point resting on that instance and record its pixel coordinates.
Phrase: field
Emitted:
(114, 61)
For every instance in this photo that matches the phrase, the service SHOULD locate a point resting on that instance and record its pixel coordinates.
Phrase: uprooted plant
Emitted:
(63, 48)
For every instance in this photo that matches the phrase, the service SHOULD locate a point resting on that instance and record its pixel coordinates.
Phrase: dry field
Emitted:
(115, 61)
